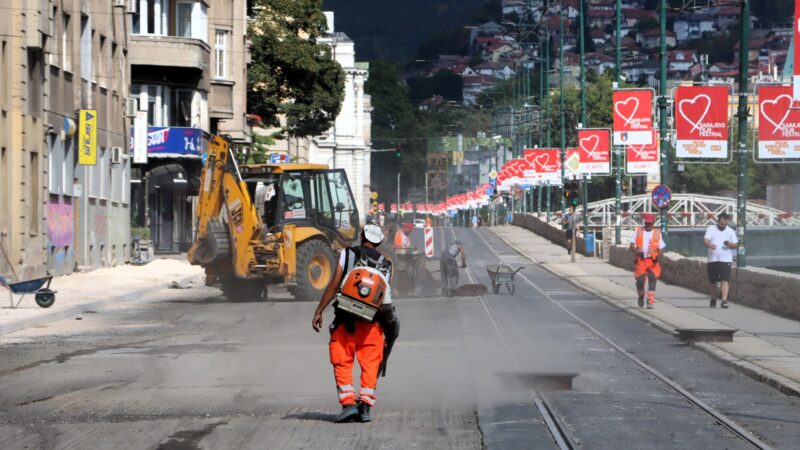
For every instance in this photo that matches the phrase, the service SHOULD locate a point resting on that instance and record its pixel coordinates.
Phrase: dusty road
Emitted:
(186, 369)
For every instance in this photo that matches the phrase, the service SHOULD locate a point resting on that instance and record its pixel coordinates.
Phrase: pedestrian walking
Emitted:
(647, 245)
(356, 334)
(569, 226)
(721, 241)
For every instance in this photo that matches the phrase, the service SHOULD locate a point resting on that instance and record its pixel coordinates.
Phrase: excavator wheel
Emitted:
(315, 267)
(236, 290)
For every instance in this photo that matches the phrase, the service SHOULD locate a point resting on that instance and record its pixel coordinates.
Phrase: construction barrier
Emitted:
(429, 248)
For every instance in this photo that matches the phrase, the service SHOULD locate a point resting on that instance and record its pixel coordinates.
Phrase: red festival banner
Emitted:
(796, 56)
(595, 150)
(633, 117)
(701, 121)
(778, 124)
(545, 164)
(643, 159)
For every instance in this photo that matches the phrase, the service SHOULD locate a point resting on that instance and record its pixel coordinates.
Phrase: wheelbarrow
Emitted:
(501, 274)
(40, 288)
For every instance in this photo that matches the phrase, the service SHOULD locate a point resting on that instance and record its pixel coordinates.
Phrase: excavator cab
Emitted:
(270, 224)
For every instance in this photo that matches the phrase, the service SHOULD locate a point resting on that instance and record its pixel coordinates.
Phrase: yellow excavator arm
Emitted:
(221, 185)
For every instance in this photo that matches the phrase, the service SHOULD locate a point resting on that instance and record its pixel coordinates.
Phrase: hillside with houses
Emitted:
(702, 39)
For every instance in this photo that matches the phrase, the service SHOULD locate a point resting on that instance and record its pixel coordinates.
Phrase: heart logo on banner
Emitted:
(542, 162)
(589, 145)
(627, 117)
(702, 98)
(514, 169)
(776, 109)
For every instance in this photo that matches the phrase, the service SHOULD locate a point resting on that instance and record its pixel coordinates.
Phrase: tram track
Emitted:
(554, 425)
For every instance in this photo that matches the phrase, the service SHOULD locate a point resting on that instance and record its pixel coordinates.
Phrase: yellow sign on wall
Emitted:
(87, 137)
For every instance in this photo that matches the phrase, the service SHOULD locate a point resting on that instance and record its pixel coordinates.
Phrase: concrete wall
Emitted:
(547, 231)
(765, 289)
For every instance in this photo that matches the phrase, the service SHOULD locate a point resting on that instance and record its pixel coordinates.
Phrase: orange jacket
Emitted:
(642, 265)
(401, 240)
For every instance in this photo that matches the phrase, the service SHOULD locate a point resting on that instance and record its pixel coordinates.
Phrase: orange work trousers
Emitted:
(366, 345)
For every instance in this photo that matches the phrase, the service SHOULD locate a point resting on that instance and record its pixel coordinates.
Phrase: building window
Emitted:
(66, 43)
(165, 106)
(221, 53)
(86, 48)
(33, 193)
(102, 64)
(5, 83)
(35, 82)
(183, 19)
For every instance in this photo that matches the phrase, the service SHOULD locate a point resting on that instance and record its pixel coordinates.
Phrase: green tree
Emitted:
(291, 73)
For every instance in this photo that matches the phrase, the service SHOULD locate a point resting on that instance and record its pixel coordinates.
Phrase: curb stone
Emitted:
(78, 309)
(772, 379)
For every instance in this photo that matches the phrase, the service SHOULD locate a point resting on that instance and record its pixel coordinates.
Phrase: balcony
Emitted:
(168, 51)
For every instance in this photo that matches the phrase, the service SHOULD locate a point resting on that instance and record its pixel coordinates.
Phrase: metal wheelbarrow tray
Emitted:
(501, 274)
(40, 288)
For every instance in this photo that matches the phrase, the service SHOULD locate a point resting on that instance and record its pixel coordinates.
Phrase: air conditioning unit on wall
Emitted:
(116, 155)
(130, 6)
(119, 2)
(131, 106)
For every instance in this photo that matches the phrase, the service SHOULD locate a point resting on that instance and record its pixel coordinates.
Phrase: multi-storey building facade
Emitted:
(188, 67)
(348, 143)
(63, 180)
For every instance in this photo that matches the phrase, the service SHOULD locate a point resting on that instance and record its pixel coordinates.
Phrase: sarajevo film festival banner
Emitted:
(643, 159)
(595, 151)
(546, 165)
(796, 78)
(633, 117)
(778, 124)
(701, 121)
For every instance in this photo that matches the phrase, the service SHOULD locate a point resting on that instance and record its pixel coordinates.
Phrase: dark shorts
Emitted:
(719, 271)
(569, 234)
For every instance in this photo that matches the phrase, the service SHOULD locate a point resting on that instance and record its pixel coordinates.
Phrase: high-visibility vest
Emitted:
(655, 240)
(401, 240)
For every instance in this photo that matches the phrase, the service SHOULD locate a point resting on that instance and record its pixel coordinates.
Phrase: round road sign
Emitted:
(661, 196)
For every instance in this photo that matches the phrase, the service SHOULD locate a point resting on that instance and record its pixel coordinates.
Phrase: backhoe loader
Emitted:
(270, 224)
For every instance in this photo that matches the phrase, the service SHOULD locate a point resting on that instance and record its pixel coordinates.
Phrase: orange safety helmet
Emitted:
(362, 292)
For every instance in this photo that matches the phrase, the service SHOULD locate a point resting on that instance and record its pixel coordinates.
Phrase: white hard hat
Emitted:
(373, 233)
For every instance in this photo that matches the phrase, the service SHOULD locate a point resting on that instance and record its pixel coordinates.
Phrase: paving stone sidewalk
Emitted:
(83, 291)
(766, 346)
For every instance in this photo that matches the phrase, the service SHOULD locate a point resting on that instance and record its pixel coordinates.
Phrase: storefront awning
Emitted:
(172, 176)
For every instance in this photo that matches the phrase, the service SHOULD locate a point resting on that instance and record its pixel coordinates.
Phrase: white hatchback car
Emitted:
(419, 223)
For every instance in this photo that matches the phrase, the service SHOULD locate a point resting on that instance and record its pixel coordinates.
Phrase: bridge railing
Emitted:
(685, 210)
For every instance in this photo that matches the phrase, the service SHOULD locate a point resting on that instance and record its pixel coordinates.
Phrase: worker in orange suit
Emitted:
(402, 239)
(647, 245)
(354, 337)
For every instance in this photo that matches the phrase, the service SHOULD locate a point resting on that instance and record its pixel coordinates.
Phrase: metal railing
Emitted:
(685, 211)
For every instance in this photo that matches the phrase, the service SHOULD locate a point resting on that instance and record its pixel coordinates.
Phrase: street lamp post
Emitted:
(618, 151)
(662, 110)
(582, 37)
(744, 73)
(561, 111)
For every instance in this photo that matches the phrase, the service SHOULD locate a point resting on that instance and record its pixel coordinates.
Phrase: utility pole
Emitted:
(399, 215)
(618, 151)
(561, 110)
(744, 73)
(584, 120)
(547, 122)
(662, 111)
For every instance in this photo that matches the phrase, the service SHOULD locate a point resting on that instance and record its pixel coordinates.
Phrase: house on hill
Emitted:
(652, 39)
(694, 26)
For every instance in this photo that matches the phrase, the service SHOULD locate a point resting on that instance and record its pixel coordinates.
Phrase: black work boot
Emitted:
(349, 413)
(364, 412)
(712, 303)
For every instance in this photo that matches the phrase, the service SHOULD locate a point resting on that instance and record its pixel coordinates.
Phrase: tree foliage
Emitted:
(291, 73)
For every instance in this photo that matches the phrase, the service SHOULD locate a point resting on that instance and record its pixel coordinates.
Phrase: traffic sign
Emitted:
(573, 163)
(661, 196)
(493, 174)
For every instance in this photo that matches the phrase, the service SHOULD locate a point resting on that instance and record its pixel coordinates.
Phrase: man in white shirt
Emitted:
(721, 241)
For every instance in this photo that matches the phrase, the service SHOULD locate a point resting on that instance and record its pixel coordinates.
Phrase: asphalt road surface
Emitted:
(186, 369)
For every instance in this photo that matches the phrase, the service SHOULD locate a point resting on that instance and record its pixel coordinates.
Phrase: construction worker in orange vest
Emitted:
(402, 241)
(355, 337)
(647, 244)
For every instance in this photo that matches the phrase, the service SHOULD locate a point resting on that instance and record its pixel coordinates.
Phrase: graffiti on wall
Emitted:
(60, 223)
